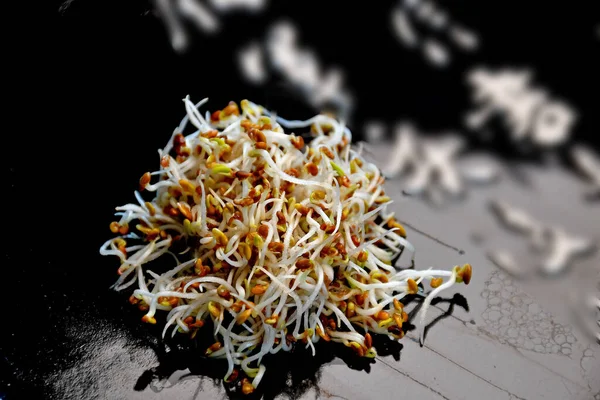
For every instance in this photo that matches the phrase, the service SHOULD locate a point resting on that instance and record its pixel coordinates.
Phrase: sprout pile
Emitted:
(279, 241)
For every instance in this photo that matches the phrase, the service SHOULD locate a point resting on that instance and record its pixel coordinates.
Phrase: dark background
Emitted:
(99, 89)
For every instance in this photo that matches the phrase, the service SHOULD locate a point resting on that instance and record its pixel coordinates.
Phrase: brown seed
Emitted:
(215, 115)
(210, 134)
(263, 230)
(323, 335)
(302, 209)
(395, 330)
(178, 140)
(382, 315)
(293, 172)
(380, 276)
(220, 237)
(185, 210)
(164, 161)
(246, 124)
(234, 376)
(397, 305)
(404, 316)
(214, 347)
(144, 181)
(245, 250)
(276, 247)
(231, 109)
(360, 298)
(398, 319)
(341, 249)
(362, 257)
(150, 208)
(257, 135)
(368, 340)
(351, 309)
(214, 309)
(312, 169)
(413, 288)
(435, 282)
(150, 320)
(223, 292)
(327, 152)
(259, 289)
(358, 349)
(327, 228)
(237, 306)
(261, 145)
(298, 142)
(241, 318)
(241, 175)
(247, 387)
(114, 227)
(392, 223)
(304, 264)
(200, 269)
(355, 240)
(280, 218)
(344, 181)
(332, 324)
(466, 271)
(246, 201)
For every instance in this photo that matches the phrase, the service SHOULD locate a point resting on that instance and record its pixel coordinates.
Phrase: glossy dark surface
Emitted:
(103, 103)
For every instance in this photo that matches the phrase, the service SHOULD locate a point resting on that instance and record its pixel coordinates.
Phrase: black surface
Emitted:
(105, 93)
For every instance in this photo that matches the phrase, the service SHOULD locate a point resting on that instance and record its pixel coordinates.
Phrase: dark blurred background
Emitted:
(100, 89)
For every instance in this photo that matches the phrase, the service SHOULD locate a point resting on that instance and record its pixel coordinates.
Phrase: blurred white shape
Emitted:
(198, 13)
(529, 112)
(515, 219)
(251, 62)
(479, 168)
(301, 67)
(436, 53)
(403, 28)
(228, 5)
(411, 4)
(429, 16)
(562, 249)
(374, 131)
(175, 12)
(424, 10)
(404, 149)
(65, 5)
(173, 24)
(434, 166)
(440, 154)
(557, 247)
(552, 124)
(439, 20)
(588, 163)
(506, 261)
(429, 162)
(463, 38)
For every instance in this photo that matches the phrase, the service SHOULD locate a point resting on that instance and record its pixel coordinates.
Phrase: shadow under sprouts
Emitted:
(456, 300)
(290, 374)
